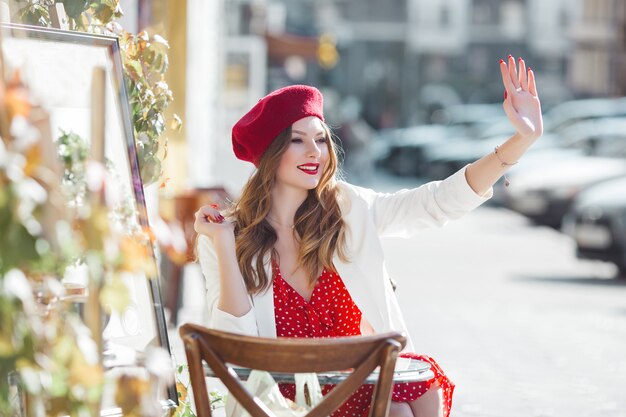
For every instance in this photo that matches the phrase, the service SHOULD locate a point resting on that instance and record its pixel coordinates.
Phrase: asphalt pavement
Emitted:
(520, 325)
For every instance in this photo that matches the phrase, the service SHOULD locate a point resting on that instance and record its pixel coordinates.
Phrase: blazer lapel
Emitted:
(264, 307)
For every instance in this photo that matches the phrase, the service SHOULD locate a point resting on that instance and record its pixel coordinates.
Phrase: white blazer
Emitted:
(368, 216)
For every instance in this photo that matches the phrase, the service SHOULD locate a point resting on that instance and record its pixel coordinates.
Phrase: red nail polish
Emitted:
(213, 206)
(505, 95)
(502, 61)
(510, 56)
(529, 68)
(519, 59)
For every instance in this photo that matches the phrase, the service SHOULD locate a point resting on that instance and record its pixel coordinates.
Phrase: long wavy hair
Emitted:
(318, 226)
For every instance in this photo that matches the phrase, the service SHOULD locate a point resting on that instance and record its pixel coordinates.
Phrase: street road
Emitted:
(520, 325)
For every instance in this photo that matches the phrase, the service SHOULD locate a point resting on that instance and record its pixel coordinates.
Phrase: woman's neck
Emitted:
(285, 203)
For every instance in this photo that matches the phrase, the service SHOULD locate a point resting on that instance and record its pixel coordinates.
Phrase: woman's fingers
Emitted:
(506, 77)
(210, 222)
(210, 214)
(532, 87)
(523, 78)
(522, 105)
(514, 80)
(513, 71)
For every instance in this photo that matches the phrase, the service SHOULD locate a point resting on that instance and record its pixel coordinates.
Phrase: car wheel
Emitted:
(437, 171)
(403, 164)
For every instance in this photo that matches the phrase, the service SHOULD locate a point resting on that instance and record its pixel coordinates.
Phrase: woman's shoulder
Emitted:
(353, 192)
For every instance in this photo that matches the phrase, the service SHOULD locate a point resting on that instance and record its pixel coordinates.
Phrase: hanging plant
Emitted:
(34, 12)
(42, 341)
(145, 63)
(45, 346)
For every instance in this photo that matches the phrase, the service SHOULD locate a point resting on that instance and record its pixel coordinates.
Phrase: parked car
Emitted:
(468, 116)
(587, 126)
(404, 154)
(536, 158)
(562, 116)
(447, 158)
(604, 139)
(598, 137)
(597, 223)
(545, 193)
(410, 151)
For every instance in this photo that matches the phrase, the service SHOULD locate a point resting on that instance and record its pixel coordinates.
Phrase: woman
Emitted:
(299, 254)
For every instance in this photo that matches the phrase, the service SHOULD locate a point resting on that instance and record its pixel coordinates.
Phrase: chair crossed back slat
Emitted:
(363, 354)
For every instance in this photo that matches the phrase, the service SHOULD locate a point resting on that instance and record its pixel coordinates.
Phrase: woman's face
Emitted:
(304, 161)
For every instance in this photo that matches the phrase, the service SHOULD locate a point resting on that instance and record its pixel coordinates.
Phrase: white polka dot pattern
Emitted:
(331, 312)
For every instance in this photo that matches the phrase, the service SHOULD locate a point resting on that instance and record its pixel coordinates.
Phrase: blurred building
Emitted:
(598, 66)
(372, 45)
(406, 58)
(549, 28)
(401, 60)
(194, 30)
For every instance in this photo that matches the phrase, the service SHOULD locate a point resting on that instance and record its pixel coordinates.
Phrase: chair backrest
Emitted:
(290, 355)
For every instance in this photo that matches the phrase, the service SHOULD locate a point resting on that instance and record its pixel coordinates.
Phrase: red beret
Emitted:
(275, 112)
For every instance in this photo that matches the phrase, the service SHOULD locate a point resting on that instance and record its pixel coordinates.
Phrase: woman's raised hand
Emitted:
(211, 223)
(521, 101)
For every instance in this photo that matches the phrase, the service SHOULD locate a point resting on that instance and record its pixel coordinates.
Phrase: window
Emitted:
(444, 16)
(483, 14)
(512, 13)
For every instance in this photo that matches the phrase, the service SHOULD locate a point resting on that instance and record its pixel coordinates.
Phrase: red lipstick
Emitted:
(309, 168)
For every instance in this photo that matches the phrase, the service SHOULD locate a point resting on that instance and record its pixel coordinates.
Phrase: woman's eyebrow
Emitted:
(321, 132)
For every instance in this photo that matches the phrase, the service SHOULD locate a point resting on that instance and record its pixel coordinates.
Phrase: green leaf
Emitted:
(74, 8)
(133, 70)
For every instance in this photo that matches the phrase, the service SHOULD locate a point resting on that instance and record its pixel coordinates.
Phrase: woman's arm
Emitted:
(522, 107)
(404, 213)
(233, 295)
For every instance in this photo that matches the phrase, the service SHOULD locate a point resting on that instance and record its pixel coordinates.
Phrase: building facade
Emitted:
(597, 61)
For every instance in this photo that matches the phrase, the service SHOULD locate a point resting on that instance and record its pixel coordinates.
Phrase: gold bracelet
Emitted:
(503, 164)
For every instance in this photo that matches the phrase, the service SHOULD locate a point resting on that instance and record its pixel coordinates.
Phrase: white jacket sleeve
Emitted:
(403, 213)
(219, 319)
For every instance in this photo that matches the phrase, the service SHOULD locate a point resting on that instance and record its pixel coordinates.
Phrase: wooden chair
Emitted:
(362, 353)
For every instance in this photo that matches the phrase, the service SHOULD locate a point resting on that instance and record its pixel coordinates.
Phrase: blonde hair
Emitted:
(318, 225)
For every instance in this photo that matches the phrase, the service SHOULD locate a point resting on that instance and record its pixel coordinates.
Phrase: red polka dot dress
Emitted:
(331, 312)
